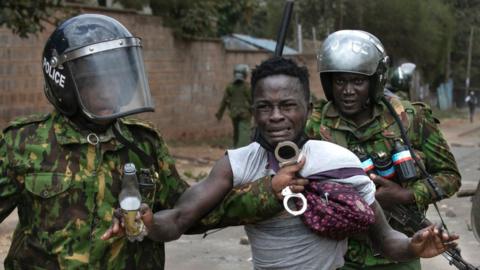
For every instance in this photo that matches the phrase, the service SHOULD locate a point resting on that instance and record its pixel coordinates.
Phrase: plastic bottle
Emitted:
(130, 200)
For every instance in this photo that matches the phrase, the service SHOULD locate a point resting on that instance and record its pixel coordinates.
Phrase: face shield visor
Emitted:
(110, 79)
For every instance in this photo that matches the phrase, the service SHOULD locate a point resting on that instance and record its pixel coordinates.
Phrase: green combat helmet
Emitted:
(240, 72)
(353, 51)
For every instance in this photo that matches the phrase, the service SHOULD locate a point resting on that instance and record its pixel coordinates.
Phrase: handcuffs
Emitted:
(287, 153)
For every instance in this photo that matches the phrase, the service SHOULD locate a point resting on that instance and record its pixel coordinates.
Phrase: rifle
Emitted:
(411, 217)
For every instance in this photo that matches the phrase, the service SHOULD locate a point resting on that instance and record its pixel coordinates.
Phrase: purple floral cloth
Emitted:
(336, 210)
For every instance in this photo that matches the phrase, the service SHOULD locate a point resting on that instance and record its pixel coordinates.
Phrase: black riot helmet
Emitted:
(401, 77)
(93, 65)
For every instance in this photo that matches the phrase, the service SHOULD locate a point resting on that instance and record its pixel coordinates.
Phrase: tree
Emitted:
(411, 30)
(25, 17)
(417, 31)
(467, 14)
(130, 4)
(203, 18)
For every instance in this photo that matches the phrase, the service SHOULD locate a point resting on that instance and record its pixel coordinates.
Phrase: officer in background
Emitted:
(354, 116)
(63, 170)
(237, 98)
(400, 82)
(471, 101)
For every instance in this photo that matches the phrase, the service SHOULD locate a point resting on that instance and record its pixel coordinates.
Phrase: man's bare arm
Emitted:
(194, 203)
(199, 199)
(426, 243)
(391, 243)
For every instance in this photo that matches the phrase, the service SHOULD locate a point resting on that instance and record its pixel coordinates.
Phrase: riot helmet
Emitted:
(353, 51)
(93, 65)
(240, 72)
(401, 77)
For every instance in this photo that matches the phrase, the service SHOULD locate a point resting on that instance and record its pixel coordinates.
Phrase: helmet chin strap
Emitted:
(82, 121)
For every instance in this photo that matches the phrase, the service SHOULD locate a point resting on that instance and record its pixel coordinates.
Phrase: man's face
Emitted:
(350, 92)
(280, 108)
(101, 97)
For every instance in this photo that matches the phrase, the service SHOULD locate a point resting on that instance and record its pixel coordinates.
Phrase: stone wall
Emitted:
(187, 77)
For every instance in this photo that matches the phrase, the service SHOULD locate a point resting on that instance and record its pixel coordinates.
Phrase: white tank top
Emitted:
(284, 242)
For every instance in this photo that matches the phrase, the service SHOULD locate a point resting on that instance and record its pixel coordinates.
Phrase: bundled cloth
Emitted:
(336, 210)
(339, 194)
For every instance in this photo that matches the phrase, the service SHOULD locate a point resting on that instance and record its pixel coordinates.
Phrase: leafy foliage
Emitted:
(425, 32)
(132, 4)
(207, 18)
(467, 15)
(25, 17)
(411, 30)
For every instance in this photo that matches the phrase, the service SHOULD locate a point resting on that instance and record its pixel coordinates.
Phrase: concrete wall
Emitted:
(186, 77)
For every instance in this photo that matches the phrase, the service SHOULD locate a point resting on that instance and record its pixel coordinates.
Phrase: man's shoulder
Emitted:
(245, 150)
(330, 150)
(318, 109)
(141, 125)
(23, 121)
(422, 111)
(326, 156)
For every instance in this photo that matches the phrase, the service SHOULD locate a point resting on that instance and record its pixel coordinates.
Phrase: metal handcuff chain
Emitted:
(287, 153)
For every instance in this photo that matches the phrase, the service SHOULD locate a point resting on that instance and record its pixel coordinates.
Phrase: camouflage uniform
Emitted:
(237, 99)
(377, 135)
(66, 189)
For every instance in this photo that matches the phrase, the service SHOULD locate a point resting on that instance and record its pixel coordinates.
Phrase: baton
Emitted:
(282, 32)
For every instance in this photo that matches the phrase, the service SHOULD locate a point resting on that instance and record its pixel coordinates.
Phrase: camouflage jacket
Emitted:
(237, 98)
(377, 135)
(65, 190)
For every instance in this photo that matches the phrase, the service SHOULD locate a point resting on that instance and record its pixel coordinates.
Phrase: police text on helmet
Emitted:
(56, 76)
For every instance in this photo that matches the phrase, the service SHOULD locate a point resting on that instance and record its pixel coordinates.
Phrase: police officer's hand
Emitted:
(287, 176)
(431, 241)
(117, 228)
(390, 193)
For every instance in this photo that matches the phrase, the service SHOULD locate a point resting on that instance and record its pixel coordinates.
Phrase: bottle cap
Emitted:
(129, 168)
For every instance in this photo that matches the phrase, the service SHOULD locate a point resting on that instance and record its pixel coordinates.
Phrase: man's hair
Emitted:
(280, 65)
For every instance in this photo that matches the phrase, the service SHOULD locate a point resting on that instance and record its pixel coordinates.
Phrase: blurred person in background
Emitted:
(237, 99)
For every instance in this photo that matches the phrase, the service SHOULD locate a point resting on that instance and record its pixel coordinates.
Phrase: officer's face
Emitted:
(350, 93)
(280, 108)
(101, 97)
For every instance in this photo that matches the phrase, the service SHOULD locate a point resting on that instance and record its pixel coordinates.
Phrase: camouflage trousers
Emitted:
(241, 132)
(411, 265)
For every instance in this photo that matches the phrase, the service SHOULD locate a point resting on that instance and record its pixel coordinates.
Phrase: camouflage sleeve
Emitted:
(437, 158)
(223, 103)
(312, 128)
(171, 185)
(245, 204)
(9, 188)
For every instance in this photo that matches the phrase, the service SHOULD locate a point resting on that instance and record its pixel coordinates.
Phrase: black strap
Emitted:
(431, 182)
(137, 150)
